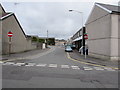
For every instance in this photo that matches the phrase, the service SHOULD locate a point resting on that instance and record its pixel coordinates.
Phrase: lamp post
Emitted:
(82, 28)
(47, 38)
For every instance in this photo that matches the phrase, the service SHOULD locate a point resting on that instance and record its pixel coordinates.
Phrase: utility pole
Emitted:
(47, 38)
(83, 41)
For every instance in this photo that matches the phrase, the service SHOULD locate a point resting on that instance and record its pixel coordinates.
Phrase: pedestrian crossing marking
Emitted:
(74, 67)
(98, 68)
(88, 68)
(30, 64)
(52, 65)
(41, 65)
(64, 66)
(109, 69)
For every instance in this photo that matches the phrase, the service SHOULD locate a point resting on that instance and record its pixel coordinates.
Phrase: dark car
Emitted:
(68, 49)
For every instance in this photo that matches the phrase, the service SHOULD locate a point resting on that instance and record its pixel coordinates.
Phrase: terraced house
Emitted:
(19, 42)
(103, 30)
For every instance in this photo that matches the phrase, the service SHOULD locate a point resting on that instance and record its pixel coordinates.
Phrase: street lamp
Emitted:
(82, 28)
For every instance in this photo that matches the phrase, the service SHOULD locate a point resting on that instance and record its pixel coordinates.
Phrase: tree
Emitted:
(41, 40)
(35, 39)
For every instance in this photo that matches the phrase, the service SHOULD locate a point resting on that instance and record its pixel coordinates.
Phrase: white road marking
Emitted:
(41, 65)
(75, 67)
(65, 66)
(88, 68)
(30, 64)
(1, 62)
(8, 63)
(52, 65)
(20, 64)
(98, 68)
(109, 69)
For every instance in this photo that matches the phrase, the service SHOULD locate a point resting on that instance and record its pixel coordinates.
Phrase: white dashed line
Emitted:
(52, 65)
(30, 64)
(109, 69)
(1, 62)
(41, 65)
(8, 63)
(65, 66)
(98, 68)
(87, 68)
(75, 67)
(55, 66)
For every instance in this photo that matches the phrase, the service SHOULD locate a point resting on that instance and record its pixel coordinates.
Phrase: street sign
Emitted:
(85, 36)
(10, 34)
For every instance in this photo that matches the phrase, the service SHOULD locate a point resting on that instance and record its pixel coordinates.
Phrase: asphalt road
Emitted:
(53, 69)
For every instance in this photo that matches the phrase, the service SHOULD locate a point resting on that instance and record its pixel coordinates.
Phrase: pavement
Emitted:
(93, 61)
(23, 55)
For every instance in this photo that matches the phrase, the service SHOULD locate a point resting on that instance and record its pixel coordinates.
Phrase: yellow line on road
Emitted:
(68, 56)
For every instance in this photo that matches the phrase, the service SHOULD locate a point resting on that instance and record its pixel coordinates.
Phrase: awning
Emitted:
(77, 39)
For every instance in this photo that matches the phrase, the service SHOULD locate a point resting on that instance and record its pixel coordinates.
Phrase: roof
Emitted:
(109, 8)
(5, 15)
(2, 8)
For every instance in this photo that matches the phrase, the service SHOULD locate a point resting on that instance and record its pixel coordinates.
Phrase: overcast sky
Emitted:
(38, 17)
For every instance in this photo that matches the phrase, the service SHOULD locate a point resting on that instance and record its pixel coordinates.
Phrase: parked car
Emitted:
(83, 49)
(73, 46)
(68, 49)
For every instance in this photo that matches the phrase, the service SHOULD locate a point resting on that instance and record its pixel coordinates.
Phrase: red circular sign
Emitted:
(85, 36)
(10, 34)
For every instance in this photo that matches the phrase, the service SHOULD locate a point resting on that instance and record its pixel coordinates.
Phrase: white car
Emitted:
(68, 49)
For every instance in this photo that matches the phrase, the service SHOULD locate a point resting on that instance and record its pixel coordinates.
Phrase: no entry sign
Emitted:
(85, 36)
(10, 34)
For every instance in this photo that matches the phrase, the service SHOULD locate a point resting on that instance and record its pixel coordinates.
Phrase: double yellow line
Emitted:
(68, 56)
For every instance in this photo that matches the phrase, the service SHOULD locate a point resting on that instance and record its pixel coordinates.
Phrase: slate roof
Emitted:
(112, 8)
(4, 14)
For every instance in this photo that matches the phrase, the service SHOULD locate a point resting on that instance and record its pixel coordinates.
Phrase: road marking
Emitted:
(55, 66)
(9, 63)
(87, 68)
(65, 66)
(1, 62)
(30, 64)
(98, 68)
(68, 56)
(109, 69)
(75, 67)
(52, 65)
(41, 65)
(20, 64)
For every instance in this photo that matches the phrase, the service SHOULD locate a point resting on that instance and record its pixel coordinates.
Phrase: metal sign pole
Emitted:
(9, 45)
(85, 51)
